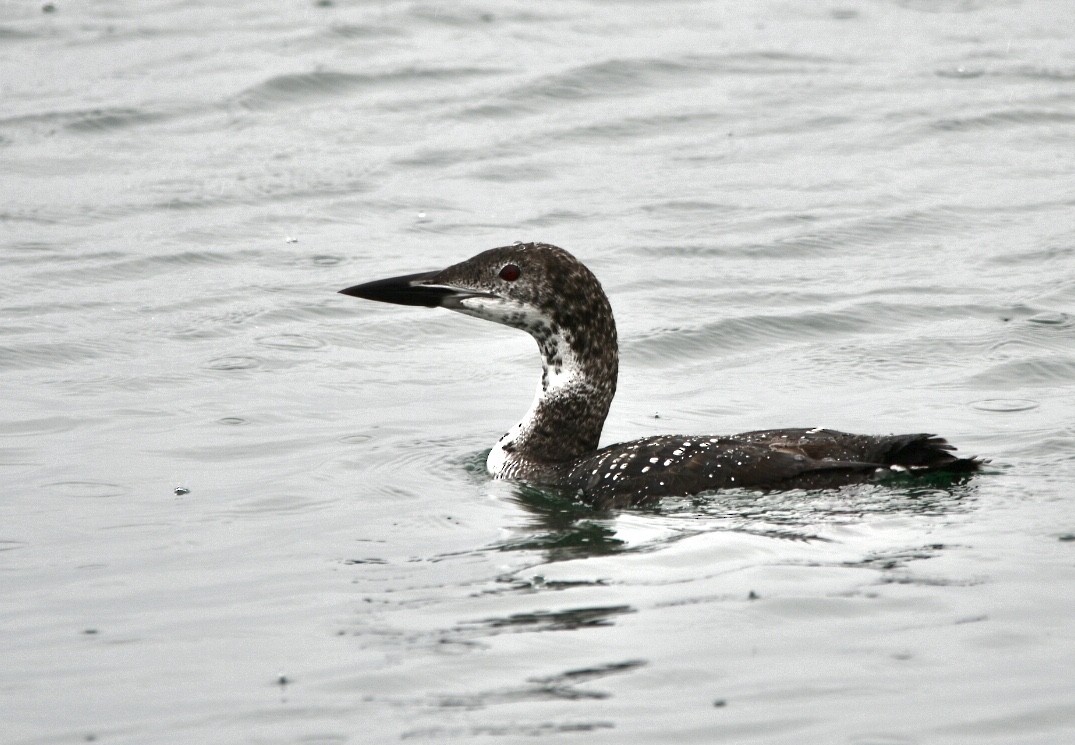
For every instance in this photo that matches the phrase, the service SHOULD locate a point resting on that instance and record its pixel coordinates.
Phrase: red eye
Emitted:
(510, 273)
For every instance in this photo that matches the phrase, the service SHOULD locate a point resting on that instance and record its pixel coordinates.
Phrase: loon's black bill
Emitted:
(412, 289)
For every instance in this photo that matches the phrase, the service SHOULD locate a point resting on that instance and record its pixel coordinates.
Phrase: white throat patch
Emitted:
(561, 370)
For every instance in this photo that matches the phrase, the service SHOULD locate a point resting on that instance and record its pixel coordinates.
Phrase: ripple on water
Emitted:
(232, 363)
(29, 356)
(104, 120)
(355, 439)
(751, 332)
(1006, 118)
(43, 426)
(561, 620)
(393, 452)
(1014, 348)
(114, 266)
(942, 6)
(1051, 318)
(326, 260)
(1005, 404)
(356, 31)
(232, 420)
(961, 72)
(632, 75)
(86, 121)
(282, 90)
(289, 341)
(86, 489)
(10, 34)
(1040, 371)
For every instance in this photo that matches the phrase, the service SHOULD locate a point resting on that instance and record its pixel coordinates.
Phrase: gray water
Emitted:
(858, 215)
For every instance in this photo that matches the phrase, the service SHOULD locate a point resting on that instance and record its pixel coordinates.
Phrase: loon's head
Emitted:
(535, 287)
(548, 293)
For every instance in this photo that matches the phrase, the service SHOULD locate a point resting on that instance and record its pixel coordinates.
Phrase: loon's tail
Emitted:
(925, 453)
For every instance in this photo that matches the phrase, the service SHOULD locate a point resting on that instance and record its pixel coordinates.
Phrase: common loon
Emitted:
(550, 294)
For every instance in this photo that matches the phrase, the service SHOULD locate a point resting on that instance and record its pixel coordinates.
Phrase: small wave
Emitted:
(357, 31)
(633, 127)
(459, 15)
(15, 456)
(83, 120)
(236, 362)
(601, 80)
(1045, 73)
(1006, 118)
(866, 231)
(290, 341)
(630, 75)
(31, 355)
(510, 173)
(561, 620)
(14, 34)
(1051, 318)
(942, 6)
(1042, 371)
(554, 217)
(765, 331)
(325, 260)
(233, 421)
(1005, 405)
(86, 489)
(961, 73)
(298, 87)
(1044, 256)
(110, 119)
(829, 237)
(44, 426)
(113, 266)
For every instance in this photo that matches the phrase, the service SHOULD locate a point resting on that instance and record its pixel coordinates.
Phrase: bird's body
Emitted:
(547, 292)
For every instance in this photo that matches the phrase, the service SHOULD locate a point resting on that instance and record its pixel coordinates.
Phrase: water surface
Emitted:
(854, 215)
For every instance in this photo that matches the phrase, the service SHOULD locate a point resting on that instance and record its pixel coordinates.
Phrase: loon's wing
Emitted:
(913, 452)
(677, 465)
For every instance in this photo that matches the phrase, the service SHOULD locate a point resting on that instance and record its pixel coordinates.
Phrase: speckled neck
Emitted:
(569, 316)
(568, 412)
